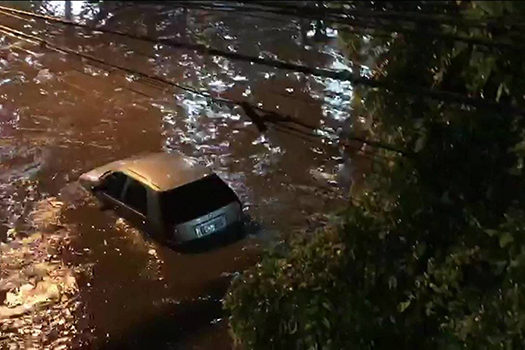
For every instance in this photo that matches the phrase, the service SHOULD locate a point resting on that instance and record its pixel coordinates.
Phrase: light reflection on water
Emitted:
(61, 117)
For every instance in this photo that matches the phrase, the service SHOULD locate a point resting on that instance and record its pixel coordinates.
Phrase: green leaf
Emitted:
(501, 87)
(326, 322)
(505, 239)
(403, 306)
(327, 306)
(491, 232)
(420, 143)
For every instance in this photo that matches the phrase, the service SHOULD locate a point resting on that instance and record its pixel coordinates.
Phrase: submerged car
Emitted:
(169, 195)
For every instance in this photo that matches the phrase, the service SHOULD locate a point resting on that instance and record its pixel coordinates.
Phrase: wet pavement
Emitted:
(74, 276)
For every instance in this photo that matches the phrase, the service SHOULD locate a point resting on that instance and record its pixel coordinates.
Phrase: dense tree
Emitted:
(433, 253)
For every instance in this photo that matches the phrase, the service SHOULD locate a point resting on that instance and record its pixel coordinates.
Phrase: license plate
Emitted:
(210, 226)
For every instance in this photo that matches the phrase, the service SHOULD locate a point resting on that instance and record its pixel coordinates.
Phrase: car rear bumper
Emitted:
(230, 234)
(189, 231)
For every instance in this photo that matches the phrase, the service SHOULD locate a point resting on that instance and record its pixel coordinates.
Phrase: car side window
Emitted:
(136, 196)
(113, 184)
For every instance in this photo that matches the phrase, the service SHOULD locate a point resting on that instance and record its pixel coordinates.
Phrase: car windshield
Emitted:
(195, 199)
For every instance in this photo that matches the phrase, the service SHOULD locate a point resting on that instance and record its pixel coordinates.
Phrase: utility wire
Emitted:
(288, 96)
(395, 15)
(343, 75)
(188, 46)
(356, 21)
(265, 116)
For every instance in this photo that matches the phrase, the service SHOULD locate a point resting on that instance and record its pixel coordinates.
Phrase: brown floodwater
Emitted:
(73, 276)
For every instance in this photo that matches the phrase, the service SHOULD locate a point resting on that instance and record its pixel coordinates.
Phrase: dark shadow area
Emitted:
(175, 323)
(164, 331)
(3, 233)
(3, 294)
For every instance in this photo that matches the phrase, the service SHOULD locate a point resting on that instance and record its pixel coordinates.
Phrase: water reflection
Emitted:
(61, 116)
(40, 291)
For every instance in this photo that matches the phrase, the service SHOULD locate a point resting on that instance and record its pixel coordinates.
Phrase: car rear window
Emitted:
(195, 199)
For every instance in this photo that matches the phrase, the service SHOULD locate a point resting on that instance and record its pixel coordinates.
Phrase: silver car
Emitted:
(168, 195)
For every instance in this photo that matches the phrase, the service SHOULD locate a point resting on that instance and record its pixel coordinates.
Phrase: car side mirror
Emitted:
(97, 188)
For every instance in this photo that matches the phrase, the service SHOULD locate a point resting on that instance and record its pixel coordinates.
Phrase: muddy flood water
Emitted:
(74, 276)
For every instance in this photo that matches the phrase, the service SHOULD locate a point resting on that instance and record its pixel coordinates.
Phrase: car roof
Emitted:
(162, 171)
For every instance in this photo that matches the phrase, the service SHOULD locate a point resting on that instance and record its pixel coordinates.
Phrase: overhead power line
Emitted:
(261, 116)
(402, 16)
(342, 75)
(189, 46)
(369, 22)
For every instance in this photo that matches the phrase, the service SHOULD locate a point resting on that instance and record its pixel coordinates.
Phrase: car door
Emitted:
(135, 202)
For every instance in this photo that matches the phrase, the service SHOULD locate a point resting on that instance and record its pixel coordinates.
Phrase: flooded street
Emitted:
(74, 276)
